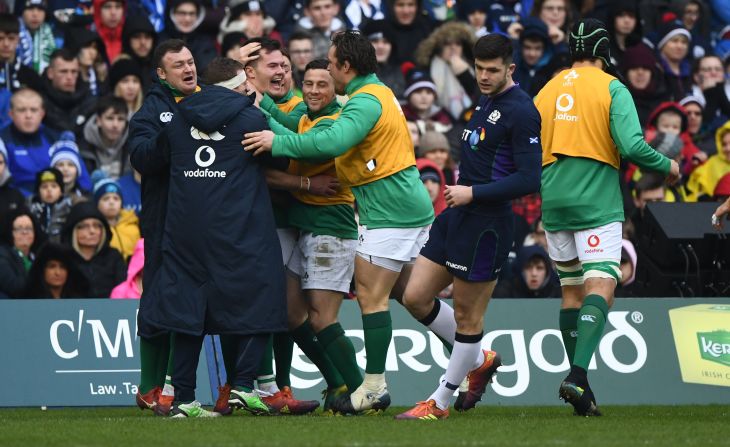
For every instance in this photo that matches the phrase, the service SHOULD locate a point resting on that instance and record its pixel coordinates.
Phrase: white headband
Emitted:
(234, 82)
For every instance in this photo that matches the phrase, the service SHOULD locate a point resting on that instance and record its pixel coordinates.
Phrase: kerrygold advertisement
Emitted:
(702, 338)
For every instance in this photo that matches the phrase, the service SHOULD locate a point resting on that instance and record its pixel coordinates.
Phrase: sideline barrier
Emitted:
(654, 351)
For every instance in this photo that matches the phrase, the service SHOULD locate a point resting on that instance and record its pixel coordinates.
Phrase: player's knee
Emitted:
(415, 304)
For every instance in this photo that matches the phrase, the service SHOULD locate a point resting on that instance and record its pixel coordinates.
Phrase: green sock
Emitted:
(305, 338)
(378, 329)
(267, 361)
(340, 350)
(283, 353)
(230, 356)
(591, 321)
(569, 330)
(152, 351)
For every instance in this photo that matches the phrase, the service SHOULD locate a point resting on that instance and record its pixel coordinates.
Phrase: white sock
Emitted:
(480, 358)
(444, 325)
(466, 349)
(267, 384)
(167, 389)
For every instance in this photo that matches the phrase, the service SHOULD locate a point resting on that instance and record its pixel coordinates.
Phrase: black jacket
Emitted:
(76, 284)
(12, 273)
(10, 198)
(68, 111)
(516, 287)
(106, 269)
(222, 270)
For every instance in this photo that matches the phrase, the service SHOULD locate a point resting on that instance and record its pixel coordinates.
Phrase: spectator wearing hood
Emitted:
(381, 36)
(704, 179)
(88, 48)
(671, 118)
(409, 26)
(533, 53)
(124, 224)
(48, 204)
(533, 276)
(109, 18)
(132, 287)
(184, 23)
(67, 98)
(138, 41)
(321, 22)
(702, 136)
(644, 80)
(37, 41)
(10, 197)
(628, 270)
(421, 106)
(434, 181)
(247, 17)
(89, 235)
(447, 54)
(476, 14)
(673, 46)
(13, 74)
(722, 189)
(20, 237)
(125, 82)
(54, 275)
(105, 137)
(624, 27)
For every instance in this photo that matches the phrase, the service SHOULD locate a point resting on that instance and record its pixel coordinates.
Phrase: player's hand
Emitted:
(244, 53)
(324, 185)
(720, 213)
(258, 142)
(674, 174)
(458, 195)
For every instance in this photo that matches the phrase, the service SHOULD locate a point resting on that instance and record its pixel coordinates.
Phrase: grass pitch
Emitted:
(504, 426)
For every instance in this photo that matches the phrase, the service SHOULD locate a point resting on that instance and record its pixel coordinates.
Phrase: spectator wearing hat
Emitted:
(105, 138)
(434, 181)
(88, 48)
(532, 276)
(409, 26)
(704, 179)
(132, 287)
(67, 98)
(624, 28)
(421, 106)
(138, 40)
(247, 17)
(123, 223)
(20, 238)
(37, 41)
(358, 13)
(321, 22)
(534, 52)
(644, 80)
(671, 118)
(380, 35)
(435, 147)
(673, 48)
(447, 54)
(125, 82)
(475, 13)
(131, 184)
(109, 18)
(702, 136)
(10, 197)
(54, 275)
(15, 75)
(48, 204)
(66, 158)
(88, 234)
(184, 24)
(27, 141)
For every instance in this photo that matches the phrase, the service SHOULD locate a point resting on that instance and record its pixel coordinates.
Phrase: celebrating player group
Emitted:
(214, 211)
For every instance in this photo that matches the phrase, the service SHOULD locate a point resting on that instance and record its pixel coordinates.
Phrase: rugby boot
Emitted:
(479, 379)
(463, 391)
(329, 396)
(164, 405)
(148, 400)
(221, 405)
(283, 402)
(191, 410)
(579, 398)
(425, 411)
(363, 402)
(249, 401)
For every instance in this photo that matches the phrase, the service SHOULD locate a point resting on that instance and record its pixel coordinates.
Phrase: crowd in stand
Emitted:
(72, 73)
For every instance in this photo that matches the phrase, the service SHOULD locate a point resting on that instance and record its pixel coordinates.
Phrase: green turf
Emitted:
(503, 426)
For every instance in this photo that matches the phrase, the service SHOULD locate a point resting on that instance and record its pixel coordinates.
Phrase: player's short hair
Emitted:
(118, 105)
(494, 46)
(167, 46)
(9, 24)
(268, 45)
(317, 64)
(648, 182)
(221, 69)
(355, 48)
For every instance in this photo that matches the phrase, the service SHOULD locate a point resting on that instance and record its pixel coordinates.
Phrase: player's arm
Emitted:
(352, 126)
(527, 154)
(148, 143)
(626, 132)
(291, 120)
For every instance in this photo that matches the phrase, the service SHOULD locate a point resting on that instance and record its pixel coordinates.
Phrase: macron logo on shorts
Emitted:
(456, 266)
